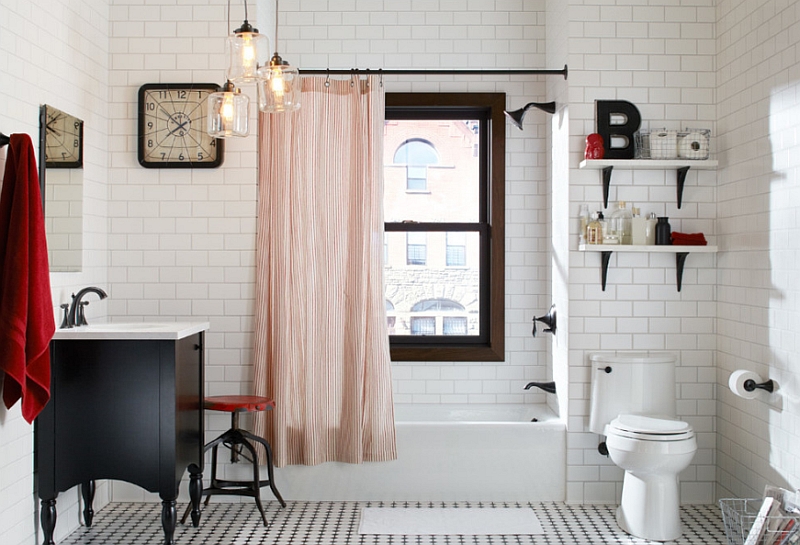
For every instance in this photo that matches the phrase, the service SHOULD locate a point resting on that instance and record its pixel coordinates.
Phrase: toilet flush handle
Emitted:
(607, 369)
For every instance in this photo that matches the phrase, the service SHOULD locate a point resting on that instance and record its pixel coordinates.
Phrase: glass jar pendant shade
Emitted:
(228, 112)
(278, 87)
(247, 51)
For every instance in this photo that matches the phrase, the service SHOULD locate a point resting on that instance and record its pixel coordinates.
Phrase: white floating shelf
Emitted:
(681, 167)
(648, 164)
(681, 253)
(665, 249)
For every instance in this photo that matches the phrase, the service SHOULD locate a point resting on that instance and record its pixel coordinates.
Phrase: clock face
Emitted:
(172, 126)
(63, 139)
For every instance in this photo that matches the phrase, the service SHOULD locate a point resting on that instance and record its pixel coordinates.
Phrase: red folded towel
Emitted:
(27, 321)
(688, 239)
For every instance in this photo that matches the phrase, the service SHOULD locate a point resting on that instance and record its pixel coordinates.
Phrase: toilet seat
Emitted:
(648, 428)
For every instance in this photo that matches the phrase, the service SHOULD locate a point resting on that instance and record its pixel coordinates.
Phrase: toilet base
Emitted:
(650, 507)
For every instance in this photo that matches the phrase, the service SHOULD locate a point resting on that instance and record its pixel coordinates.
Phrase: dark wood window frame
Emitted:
(488, 107)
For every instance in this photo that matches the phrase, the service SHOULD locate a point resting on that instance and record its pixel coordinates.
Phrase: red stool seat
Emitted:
(230, 404)
(238, 441)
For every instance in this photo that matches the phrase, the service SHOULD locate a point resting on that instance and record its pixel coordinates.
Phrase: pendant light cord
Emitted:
(276, 27)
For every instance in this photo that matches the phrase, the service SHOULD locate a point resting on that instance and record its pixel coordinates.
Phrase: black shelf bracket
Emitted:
(681, 180)
(680, 260)
(606, 183)
(606, 256)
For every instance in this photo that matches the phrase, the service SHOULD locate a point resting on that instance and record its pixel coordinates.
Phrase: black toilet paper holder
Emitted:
(751, 385)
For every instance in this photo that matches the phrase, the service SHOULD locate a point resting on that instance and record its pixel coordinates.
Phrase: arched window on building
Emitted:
(416, 154)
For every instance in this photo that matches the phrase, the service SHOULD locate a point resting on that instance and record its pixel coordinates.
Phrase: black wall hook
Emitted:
(548, 319)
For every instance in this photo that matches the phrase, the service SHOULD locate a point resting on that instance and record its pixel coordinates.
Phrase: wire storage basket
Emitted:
(669, 144)
(739, 515)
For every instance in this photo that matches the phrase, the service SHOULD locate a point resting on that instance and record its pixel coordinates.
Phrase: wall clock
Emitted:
(172, 126)
(63, 138)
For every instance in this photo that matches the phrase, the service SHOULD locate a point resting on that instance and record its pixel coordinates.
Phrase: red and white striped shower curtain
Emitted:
(321, 344)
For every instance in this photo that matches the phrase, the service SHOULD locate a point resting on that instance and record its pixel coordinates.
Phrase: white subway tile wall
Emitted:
(177, 244)
(55, 53)
(758, 76)
(660, 57)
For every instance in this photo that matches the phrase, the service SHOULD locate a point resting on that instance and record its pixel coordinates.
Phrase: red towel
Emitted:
(688, 239)
(27, 322)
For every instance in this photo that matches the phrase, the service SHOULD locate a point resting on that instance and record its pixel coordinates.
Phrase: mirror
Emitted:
(61, 181)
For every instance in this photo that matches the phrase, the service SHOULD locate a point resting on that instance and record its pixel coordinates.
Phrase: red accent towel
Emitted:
(27, 322)
(688, 239)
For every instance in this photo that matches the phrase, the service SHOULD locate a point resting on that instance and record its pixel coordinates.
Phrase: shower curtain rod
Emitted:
(437, 72)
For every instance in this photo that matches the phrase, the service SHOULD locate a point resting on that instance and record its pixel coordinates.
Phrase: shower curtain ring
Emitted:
(353, 76)
(380, 73)
(328, 79)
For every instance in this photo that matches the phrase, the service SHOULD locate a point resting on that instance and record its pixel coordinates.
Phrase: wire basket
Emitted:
(738, 516)
(668, 144)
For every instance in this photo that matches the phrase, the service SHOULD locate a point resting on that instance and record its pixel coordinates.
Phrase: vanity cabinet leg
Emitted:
(47, 517)
(169, 519)
(195, 492)
(87, 491)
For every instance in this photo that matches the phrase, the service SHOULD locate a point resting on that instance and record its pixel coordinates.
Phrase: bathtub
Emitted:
(450, 453)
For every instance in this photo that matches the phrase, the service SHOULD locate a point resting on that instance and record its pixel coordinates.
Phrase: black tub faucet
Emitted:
(75, 313)
(549, 387)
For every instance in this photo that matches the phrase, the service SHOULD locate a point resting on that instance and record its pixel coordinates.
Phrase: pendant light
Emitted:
(278, 82)
(247, 49)
(228, 112)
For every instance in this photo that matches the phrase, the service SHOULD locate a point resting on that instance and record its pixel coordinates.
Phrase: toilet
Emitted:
(633, 404)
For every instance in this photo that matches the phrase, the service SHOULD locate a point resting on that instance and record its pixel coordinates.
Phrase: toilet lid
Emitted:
(648, 427)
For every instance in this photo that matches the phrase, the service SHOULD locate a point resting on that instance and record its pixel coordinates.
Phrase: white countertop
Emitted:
(132, 331)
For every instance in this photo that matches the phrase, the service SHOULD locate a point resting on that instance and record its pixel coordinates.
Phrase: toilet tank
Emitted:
(638, 383)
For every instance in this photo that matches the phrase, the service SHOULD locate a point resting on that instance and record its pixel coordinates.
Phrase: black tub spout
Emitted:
(549, 387)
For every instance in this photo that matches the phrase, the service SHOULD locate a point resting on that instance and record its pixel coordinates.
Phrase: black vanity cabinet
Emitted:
(126, 409)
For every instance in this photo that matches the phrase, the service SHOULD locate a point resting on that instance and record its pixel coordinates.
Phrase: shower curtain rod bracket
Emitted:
(3, 140)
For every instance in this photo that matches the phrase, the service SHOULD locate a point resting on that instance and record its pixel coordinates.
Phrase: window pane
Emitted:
(421, 284)
(423, 326)
(456, 249)
(416, 248)
(437, 157)
(454, 326)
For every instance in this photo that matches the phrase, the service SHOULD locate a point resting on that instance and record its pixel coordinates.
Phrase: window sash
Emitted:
(488, 107)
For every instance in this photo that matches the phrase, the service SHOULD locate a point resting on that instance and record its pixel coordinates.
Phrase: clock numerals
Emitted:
(172, 127)
(63, 139)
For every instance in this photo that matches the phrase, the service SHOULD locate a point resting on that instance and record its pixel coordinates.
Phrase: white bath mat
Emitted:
(448, 521)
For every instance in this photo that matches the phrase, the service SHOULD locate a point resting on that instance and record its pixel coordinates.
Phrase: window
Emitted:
(444, 200)
(416, 248)
(456, 251)
(416, 154)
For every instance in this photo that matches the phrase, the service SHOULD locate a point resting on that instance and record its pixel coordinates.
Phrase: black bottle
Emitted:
(663, 232)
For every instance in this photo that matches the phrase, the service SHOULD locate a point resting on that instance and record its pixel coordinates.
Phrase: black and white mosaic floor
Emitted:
(336, 523)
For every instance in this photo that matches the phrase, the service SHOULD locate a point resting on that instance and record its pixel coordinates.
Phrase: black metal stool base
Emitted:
(236, 439)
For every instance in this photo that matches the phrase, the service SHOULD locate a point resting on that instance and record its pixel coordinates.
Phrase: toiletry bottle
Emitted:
(584, 222)
(621, 223)
(603, 224)
(638, 228)
(663, 232)
(594, 232)
(650, 232)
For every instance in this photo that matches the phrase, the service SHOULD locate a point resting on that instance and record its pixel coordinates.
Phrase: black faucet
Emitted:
(75, 315)
(549, 387)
